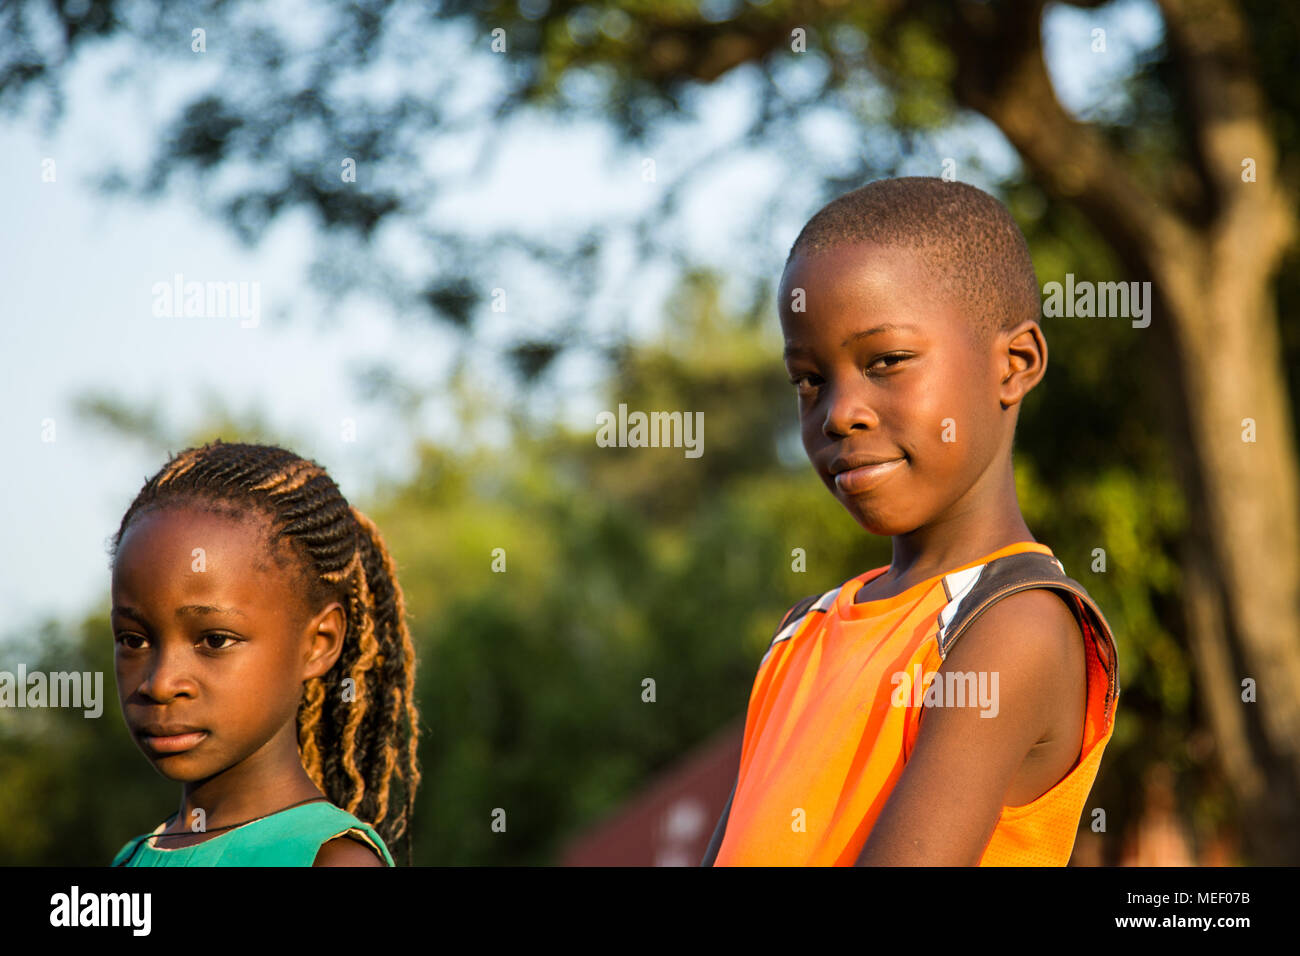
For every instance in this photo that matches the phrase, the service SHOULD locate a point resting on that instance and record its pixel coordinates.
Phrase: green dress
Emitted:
(289, 837)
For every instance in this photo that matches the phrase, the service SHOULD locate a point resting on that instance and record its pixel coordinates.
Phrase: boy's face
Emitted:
(900, 401)
(209, 641)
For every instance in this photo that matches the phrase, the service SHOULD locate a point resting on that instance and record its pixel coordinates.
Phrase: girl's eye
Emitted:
(219, 639)
(124, 639)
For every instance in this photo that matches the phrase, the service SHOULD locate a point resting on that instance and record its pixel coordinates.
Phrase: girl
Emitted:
(263, 661)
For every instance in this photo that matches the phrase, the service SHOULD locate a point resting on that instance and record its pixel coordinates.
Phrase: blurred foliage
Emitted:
(287, 98)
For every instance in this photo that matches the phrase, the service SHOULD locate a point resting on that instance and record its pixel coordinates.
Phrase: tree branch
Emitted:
(1001, 74)
(1208, 40)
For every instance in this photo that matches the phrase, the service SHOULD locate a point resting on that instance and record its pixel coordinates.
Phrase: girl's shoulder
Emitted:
(124, 854)
(324, 822)
(291, 837)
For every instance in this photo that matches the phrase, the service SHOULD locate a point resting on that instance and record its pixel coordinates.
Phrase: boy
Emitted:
(873, 735)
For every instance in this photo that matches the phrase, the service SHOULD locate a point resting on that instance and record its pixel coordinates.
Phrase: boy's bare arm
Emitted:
(945, 806)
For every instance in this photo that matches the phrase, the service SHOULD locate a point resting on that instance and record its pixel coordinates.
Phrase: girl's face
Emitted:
(213, 641)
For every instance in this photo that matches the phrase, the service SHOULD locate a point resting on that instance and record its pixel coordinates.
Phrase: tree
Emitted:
(1212, 237)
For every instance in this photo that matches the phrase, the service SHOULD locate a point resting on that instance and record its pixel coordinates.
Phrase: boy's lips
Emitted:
(853, 476)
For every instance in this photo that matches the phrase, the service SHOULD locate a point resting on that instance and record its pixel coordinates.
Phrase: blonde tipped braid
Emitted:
(359, 600)
(308, 720)
(412, 779)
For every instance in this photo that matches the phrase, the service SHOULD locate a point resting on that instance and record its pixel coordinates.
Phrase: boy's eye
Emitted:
(125, 639)
(805, 382)
(890, 360)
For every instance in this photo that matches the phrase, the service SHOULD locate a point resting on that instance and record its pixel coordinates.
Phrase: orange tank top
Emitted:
(824, 743)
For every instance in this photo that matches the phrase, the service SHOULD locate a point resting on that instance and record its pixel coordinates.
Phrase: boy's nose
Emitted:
(847, 410)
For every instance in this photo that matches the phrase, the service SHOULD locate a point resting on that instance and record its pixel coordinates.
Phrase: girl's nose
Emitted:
(168, 674)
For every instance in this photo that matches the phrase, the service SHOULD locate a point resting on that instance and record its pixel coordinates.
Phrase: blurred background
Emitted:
(475, 226)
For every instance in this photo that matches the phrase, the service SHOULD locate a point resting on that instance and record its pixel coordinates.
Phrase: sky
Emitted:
(80, 268)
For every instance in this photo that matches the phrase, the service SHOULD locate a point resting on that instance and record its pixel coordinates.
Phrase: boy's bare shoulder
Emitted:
(1033, 635)
(1033, 642)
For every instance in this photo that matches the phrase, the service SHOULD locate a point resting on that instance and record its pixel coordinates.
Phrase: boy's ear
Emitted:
(1022, 358)
(325, 636)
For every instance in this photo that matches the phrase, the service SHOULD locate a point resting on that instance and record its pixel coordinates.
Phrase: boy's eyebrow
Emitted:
(886, 327)
(864, 333)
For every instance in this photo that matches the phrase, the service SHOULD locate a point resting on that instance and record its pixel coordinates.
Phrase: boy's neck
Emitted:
(958, 539)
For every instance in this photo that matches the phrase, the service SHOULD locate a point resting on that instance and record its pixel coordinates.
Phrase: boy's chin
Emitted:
(884, 524)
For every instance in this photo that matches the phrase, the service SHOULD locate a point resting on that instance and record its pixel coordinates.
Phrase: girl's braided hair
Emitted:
(354, 746)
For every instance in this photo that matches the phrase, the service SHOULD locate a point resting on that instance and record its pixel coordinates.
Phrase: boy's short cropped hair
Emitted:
(965, 238)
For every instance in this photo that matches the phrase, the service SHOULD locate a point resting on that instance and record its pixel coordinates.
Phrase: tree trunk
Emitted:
(1249, 490)
(1213, 275)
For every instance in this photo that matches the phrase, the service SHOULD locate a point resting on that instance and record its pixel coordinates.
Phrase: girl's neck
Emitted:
(261, 784)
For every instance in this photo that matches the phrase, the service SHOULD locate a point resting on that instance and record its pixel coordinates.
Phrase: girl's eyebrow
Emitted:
(196, 610)
(185, 610)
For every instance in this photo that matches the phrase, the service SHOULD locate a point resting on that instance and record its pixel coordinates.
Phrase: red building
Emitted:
(670, 822)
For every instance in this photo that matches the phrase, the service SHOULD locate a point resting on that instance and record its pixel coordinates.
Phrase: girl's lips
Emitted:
(855, 481)
(175, 744)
